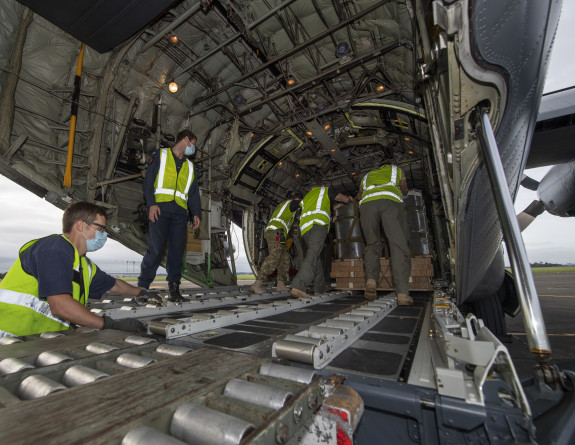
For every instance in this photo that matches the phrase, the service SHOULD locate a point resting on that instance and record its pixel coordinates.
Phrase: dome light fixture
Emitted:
(173, 87)
(308, 134)
(326, 127)
(174, 40)
(342, 49)
(380, 88)
(291, 81)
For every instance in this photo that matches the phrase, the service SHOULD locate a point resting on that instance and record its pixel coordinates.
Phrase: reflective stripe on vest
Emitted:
(315, 209)
(23, 313)
(171, 185)
(282, 218)
(378, 189)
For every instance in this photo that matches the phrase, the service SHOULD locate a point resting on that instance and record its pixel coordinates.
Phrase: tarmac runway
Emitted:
(557, 299)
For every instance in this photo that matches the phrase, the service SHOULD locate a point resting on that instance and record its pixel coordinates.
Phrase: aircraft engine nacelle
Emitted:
(556, 191)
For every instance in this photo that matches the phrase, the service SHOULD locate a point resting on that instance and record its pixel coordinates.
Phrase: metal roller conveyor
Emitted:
(51, 334)
(134, 361)
(172, 350)
(9, 340)
(100, 348)
(347, 333)
(37, 386)
(287, 373)
(228, 298)
(304, 339)
(294, 350)
(196, 424)
(325, 331)
(257, 394)
(48, 358)
(192, 326)
(144, 435)
(11, 365)
(81, 375)
(139, 340)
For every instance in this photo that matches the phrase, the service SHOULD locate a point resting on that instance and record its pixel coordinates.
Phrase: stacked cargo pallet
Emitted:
(349, 274)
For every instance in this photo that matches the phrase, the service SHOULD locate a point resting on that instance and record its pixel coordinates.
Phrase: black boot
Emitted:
(175, 295)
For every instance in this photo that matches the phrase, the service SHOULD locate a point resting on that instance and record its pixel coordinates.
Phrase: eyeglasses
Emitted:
(101, 228)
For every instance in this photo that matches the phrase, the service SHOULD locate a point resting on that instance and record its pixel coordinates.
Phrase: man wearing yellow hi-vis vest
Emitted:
(48, 286)
(170, 189)
(314, 225)
(275, 234)
(381, 205)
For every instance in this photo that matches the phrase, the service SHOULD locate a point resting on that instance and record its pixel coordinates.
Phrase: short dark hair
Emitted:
(80, 211)
(185, 133)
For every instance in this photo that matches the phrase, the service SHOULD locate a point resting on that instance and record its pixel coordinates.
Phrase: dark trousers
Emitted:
(311, 270)
(391, 216)
(171, 227)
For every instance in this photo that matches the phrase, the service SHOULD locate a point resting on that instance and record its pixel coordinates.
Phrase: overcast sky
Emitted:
(548, 238)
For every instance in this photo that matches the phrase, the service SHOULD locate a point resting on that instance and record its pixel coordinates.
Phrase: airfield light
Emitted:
(173, 87)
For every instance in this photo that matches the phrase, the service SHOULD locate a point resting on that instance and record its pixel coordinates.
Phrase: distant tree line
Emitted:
(545, 264)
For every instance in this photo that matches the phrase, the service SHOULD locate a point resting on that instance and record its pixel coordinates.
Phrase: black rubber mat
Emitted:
(236, 340)
(372, 362)
(403, 311)
(328, 307)
(386, 338)
(263, 324)
(297, 317)
(396, 325)
(256, 329)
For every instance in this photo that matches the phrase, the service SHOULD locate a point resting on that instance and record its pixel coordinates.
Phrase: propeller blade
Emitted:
(528, 215)
(529, 183)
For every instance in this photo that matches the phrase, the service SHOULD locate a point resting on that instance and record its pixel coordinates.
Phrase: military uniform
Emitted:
(382, 206)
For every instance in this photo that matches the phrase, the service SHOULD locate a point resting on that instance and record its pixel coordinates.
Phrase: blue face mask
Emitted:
(190, 150)
(97, 242)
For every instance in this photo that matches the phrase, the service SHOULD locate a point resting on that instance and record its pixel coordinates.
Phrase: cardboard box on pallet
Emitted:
(192, 243)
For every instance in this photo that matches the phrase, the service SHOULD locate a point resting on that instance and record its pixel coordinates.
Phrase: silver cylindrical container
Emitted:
(195, 424)
(287, 373)
(348, 235)
(11, 365)
(100, 348)
(144, 435)
(81, 375)
(37, 386)
(48, 358)
(257, 393)
(172, 350)
(133, 361)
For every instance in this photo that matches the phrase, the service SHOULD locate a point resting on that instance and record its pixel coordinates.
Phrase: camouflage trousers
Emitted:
(278, 258)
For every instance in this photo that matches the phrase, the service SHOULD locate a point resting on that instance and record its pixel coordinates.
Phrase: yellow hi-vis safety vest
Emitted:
(282, 218)
(315, 209)
(23, 313)
(170, 184)
(382, 183)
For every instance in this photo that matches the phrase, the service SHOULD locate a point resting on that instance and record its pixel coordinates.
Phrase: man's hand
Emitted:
(149, 296)
(125, 324)
(196, 222)
(154, 213)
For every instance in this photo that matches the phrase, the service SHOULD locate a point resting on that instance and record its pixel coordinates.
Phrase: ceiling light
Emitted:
(297, 175)
(380, 88)
(291, 81)
(239, 99)
(174, 40)
(173, 87)
(410, 152)
(342, 49)
(406, 139)
(308, 133)
(280, 163)
(326, 127)
(352, 173)
(333, 150)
